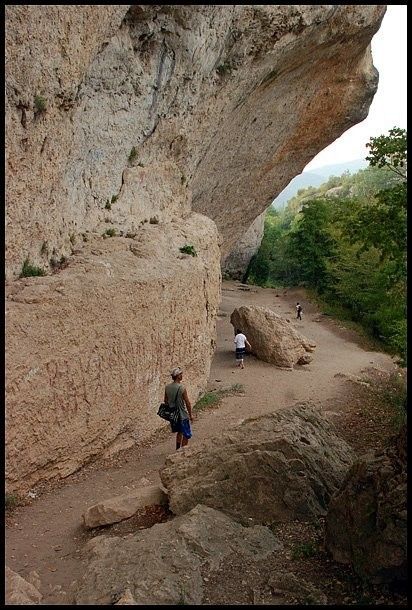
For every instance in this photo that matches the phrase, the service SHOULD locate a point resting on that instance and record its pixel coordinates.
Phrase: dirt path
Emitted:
(47, 536)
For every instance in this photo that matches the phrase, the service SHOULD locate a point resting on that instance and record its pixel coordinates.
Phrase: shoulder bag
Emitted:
(169, 412)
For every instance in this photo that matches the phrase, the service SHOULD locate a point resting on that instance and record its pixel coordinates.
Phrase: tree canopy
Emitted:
(346, 239)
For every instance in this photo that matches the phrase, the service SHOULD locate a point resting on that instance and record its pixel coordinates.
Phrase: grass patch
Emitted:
(109, 233)
(391, 393)
(394, 343)
(29, 270)
(110, 202)
(269, 283)
(236, 388)
(188, 249)
(132, 155)
(58, 264)
(344, 316)
(305, 549)
(208, 399)
(214, 397)
(11, 501)
(226, 67)
(40, 103)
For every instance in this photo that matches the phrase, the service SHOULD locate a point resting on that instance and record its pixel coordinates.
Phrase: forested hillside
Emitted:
(346, 240)
(316, 177)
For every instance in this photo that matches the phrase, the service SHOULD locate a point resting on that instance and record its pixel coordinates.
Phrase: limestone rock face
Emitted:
(19, 592)
(90, 348)
(236, 263)
(273, 339)
(277, 467)
(122, 507)
(237, 99)
(127, 118)
(366, 524)
(290, 69)
(165, 564)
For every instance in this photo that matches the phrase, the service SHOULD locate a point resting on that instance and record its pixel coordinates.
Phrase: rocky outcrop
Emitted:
(166, 564)
(366, 524)
(126, 118)
(273, 339)
(20, 592)
(89, 348)
(336, 191)
(236, 263)
(286, 584)
(122, 507)
(237, 99)
(276, 467)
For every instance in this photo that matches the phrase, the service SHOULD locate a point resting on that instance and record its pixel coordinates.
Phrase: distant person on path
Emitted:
(176, 393)
(298, 311)
(241, 342)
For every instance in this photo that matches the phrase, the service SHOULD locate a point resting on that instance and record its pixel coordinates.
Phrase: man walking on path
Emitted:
(298, 311)
(241, 342)
(176, 393)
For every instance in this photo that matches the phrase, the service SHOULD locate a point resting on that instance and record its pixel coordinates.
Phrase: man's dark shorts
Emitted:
(240, 353)
(182, 426)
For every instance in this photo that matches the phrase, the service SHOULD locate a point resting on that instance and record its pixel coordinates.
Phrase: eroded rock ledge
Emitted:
(129, 118)
(239, 98)
(89, 349)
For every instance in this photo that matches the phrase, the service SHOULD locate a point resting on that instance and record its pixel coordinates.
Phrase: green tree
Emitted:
(259, 269)
(381, 222)
(311, 243)
(390, 151)
(350, 248)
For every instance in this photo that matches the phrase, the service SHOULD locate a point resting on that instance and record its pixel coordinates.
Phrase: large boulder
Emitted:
(88, 358)
(166, 563)
(277, 467)
(366, 523)
(20, 592)
(122, 507)
(273, 339)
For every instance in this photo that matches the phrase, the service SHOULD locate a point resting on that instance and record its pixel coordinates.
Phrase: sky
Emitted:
(388, 108)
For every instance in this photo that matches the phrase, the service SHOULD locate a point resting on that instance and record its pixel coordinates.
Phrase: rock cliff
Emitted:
(236, 263)
(279, 467)
(89, 348)
(167, 563)
(366, 524)
(139, 120)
